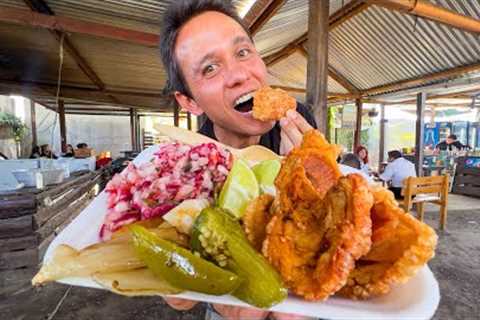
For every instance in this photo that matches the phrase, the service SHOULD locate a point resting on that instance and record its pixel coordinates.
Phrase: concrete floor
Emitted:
(456, 267)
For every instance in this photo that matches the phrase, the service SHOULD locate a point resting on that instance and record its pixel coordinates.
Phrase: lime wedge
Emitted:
(266, 172)
(239, 189)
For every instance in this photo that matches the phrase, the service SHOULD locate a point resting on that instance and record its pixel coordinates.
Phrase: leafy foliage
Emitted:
(10, 120)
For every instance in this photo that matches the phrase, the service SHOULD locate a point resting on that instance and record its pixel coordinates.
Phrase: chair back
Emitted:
(422, 187)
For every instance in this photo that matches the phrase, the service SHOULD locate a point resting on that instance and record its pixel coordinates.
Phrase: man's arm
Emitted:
(387, 175)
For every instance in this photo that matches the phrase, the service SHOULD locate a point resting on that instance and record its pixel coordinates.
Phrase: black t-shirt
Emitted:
(271, 139)
(457, 144)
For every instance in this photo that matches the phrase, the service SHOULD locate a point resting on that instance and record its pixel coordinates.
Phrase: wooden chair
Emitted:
(426, 189)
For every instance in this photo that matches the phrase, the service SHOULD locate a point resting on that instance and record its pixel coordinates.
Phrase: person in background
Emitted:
(362, 154)
(351, 160)
(82, 145)
(46, 152)
(397, 170)
(451, 144)
(69, 152)
(35, 153)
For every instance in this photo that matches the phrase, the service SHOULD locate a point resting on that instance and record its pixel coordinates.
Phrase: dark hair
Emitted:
(357, 152)
(351, 160)
(395, 154)
(453, 137)
(82, 145)
(177, 14)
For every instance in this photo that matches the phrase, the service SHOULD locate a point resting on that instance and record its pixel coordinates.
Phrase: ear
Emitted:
(188, 104)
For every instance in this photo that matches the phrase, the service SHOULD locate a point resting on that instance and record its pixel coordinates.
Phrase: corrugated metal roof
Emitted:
(381, 46)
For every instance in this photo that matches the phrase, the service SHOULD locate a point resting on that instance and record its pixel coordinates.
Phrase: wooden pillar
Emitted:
(381, 147)
(138, 135)
(358, 124)
(421, 100)
(63, 129)
(176, 115)
(133, 129)
(189, 121)
(317, 65)
(33, 119)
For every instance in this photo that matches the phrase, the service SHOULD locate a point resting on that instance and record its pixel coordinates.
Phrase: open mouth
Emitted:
(244, 104)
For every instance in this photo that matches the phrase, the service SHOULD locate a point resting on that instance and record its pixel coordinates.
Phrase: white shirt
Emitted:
(397, 171)
(364, 167)
(346, 170)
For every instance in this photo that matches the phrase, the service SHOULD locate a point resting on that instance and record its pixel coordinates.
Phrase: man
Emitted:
(450, 143)
(213, 68)
(397, 170)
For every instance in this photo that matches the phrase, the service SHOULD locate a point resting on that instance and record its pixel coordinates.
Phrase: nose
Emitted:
(236, 74)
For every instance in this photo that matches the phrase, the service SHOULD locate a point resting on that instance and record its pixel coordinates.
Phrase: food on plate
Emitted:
(272, 104)
(110, 256)
(180, 267)
(220, 238)
(240, 188)
(401, 245)
(256, 217)
(137, 282)
(182, 216)
(177, 172)
(266, 172)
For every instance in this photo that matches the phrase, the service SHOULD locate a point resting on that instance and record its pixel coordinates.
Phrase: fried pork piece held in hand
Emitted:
(272, 104)
(321, 221)
(401, 245)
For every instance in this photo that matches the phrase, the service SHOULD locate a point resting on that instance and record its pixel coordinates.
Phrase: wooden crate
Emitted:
(467, 180)
(30, 219)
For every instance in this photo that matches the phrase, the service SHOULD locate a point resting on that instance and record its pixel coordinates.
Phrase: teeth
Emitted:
(244, 98)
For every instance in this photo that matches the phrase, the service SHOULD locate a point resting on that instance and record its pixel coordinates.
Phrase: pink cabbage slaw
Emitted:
(177, 172)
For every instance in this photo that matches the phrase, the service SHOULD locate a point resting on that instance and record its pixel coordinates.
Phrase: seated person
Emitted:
(46, 152)
(397, 170)
(69, 152)
(362, 154)
(82, 145)
(35, 153)
(451, 143)
(351, 160)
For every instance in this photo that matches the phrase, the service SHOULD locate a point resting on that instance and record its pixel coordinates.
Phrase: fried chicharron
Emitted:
(400, 246)
(327, 233)
(321, 222)
(272, 104)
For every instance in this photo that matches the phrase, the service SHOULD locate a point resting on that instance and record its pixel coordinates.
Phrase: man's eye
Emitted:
(243, 53)
(209, 69)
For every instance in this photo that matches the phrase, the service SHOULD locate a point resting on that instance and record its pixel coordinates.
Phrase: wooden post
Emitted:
(33, 119)
(138, 135)
(317, 66)
(176, 114)
(381, 148)
(63, 129)
(421, 100)
(189, 121)
(133, 130)
(358, 124)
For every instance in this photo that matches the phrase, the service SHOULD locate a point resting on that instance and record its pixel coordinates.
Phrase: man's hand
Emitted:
(180, 304)
(294, 127)
(238, 313)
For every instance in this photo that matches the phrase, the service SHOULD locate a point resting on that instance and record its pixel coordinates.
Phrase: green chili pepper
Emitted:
(180, 267)
(217, 236)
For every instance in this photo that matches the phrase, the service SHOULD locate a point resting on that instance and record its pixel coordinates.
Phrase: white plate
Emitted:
(416, 299)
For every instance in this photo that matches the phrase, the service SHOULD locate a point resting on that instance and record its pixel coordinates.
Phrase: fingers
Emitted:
(237, 313)
(294, 126)
(180, 304)
(286, 145)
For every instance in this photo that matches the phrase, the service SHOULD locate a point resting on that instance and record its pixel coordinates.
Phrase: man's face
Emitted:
(450, 140)
(221, 67)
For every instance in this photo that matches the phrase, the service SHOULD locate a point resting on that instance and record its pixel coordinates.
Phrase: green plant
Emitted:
(10, 120)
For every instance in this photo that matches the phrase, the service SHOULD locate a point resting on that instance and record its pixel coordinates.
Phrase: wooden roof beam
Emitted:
(64, 24)
(427, 10)
(260, 13)
(410, 83)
